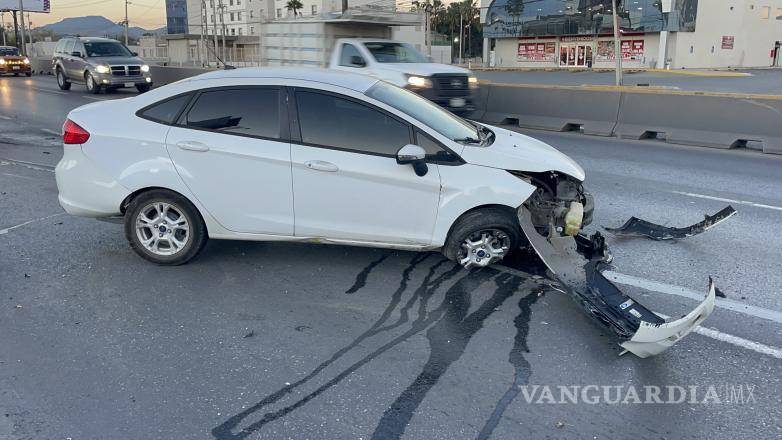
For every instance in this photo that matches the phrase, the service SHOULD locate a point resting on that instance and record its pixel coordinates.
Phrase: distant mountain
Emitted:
(95, 26)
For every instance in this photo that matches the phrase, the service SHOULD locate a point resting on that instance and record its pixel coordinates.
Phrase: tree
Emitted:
(295, 6)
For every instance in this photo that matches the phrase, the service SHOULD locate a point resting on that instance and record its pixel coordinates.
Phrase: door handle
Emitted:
(192, 146)
(320, 165)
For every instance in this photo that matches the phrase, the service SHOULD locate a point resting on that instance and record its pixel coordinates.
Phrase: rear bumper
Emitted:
(84, 190)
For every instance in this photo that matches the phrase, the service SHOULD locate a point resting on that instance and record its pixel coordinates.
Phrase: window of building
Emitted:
(323, 120)
(233, 31)
(166, 111)
(252, 30)
(279, 13)
(238, 2)
(239, 16)
(240, 31)
(251, 111)
(765, 12)
(779, 13)
(314, 9)
(230, 2)
(251, 13)
(231, 15)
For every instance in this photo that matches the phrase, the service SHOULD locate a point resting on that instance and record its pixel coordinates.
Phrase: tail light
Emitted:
(72, 133)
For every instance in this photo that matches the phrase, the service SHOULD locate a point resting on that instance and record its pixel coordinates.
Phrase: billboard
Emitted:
(29, 5)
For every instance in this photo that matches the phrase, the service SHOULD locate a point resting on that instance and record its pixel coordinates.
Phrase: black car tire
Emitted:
(143, 88)
(196, 239)
(489, 218)
(62, 81)
(90, 83)
(28, 74)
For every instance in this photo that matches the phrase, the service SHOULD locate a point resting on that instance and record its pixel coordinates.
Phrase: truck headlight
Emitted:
(102, 69)
(2, 61)
(473, 82)
(419, 81)
(145, 68)
(27, 60)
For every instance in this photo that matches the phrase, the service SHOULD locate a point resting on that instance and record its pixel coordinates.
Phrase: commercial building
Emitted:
(176, 16)
(654, 33)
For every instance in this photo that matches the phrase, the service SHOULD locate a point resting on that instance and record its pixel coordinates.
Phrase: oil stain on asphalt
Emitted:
(449, 327)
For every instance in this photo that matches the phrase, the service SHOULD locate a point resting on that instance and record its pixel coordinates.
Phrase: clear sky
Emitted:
(149, 14)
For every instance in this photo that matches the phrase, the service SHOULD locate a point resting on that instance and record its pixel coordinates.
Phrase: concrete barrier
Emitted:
(720, 120)
(41, 66)
(162, 75)
(710, 120)
(553, 108)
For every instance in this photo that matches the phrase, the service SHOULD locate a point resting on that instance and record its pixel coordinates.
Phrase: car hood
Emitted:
(517, 152)
(116, 60)
(424, 69)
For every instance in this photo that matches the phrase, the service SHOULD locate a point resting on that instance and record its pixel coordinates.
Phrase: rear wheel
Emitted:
(164, 228)
(92, 86)
(483, 237)
(62, 82)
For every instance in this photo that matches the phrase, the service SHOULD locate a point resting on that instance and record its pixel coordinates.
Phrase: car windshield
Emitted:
(8, 51)
(385, 52)
(429, 113)
(106, 49)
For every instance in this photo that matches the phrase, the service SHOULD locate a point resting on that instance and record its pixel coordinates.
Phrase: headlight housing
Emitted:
(419, 81)
(102, 69)
(473, 82)
(2, 61)
(145, 68)
(27, 60)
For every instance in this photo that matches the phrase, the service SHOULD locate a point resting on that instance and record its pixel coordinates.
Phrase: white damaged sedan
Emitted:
(331, 157)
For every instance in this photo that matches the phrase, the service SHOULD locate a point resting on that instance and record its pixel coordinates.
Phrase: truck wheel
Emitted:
(28, 74)
(92, 86)
(483, 237)
(165, 228)
(62, 82)
(143, 88)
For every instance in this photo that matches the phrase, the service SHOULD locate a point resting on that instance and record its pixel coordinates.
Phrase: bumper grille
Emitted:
(451, 85)
(126, 70)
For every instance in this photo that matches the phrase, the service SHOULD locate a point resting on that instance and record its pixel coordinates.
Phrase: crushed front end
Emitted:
(552, 219)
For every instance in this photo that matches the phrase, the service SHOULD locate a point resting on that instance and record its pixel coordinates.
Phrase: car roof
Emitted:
(91, 39)
(353, 81)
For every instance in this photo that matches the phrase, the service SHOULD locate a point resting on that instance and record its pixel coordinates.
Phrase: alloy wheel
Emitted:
(483, 248)
(162, 229)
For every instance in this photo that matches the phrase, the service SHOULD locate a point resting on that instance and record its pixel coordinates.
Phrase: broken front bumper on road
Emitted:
(578, 264)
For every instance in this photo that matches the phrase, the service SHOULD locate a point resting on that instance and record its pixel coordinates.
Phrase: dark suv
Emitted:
(99, 63)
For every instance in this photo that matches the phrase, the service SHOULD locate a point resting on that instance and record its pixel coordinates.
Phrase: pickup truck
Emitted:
(401, 64)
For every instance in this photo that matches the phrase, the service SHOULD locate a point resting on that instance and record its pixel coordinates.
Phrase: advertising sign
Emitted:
(727, 42)
(632, 50)
(538, 52)
(29, 5)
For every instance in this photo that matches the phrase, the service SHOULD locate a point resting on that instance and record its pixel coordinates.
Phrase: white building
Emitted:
(654, 33)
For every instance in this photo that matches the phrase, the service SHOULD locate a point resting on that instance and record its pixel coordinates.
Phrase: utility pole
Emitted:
(428, 11)
(617, 47)
(344, 6)
(2, 26)
(23, 49)
(221, 6)
(202, 53)
(126, 22)
(16, 29)
(461, 36)
(214, 27)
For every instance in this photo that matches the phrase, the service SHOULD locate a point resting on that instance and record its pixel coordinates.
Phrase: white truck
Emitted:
(401, 64)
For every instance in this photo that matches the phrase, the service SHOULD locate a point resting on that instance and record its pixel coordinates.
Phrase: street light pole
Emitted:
(126, 22)
(2, 26)
(24, 39)
(461, 36)
(617, 48)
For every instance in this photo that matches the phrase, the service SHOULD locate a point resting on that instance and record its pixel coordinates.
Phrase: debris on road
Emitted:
(578, 264)
(636, 227)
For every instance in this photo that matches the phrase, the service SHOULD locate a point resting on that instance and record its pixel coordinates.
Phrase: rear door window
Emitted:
(69, 46)
(252, 111)
(166, 111)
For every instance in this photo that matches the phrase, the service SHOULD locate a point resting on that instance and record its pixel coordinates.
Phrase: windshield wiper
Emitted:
(469, 140)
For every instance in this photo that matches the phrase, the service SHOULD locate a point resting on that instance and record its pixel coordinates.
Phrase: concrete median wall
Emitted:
(162, 75)
(689, 118)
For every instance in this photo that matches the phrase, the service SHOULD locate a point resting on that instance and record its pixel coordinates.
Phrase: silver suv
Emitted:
(99, 63)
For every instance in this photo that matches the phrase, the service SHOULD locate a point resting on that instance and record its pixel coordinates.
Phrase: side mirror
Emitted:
(357, 61)
(76, 54)
(135, 54)
(414, 155)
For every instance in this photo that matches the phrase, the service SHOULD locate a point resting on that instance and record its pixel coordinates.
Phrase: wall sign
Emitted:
(537, 52)
(727, 42)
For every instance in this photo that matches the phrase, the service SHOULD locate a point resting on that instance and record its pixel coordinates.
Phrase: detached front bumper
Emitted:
(578, 264)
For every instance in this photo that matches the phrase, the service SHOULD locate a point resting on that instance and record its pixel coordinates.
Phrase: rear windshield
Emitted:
(8, 51)
(106, 49)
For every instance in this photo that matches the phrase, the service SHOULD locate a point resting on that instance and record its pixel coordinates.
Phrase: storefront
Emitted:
(576, 52)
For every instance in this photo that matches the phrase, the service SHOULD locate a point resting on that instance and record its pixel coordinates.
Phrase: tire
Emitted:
(493, 233)
(62, 80)
(143, 88)
(89, 81)
(143, 224)
(16, 74)
(28, 74)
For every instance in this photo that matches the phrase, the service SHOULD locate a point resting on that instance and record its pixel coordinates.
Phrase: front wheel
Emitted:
(483, 237)
(143, 88)
(164, 228)
(92, 86)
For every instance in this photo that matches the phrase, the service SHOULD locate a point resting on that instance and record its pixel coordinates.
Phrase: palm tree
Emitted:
(295, 6)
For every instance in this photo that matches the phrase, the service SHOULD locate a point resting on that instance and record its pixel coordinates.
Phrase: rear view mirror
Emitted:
(357, 61)
(414, 155)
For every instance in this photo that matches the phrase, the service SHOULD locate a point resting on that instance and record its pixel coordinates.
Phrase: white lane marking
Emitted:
(734, 340)
(7, 230)
(95, 98)
(722, 199)
(7, 118)
(30, 165)
(56, 133)
(16, 175)
(49, 91)
(670, 289)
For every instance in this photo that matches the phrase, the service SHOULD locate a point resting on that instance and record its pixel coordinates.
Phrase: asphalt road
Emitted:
(760, 81)
(270, 341)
